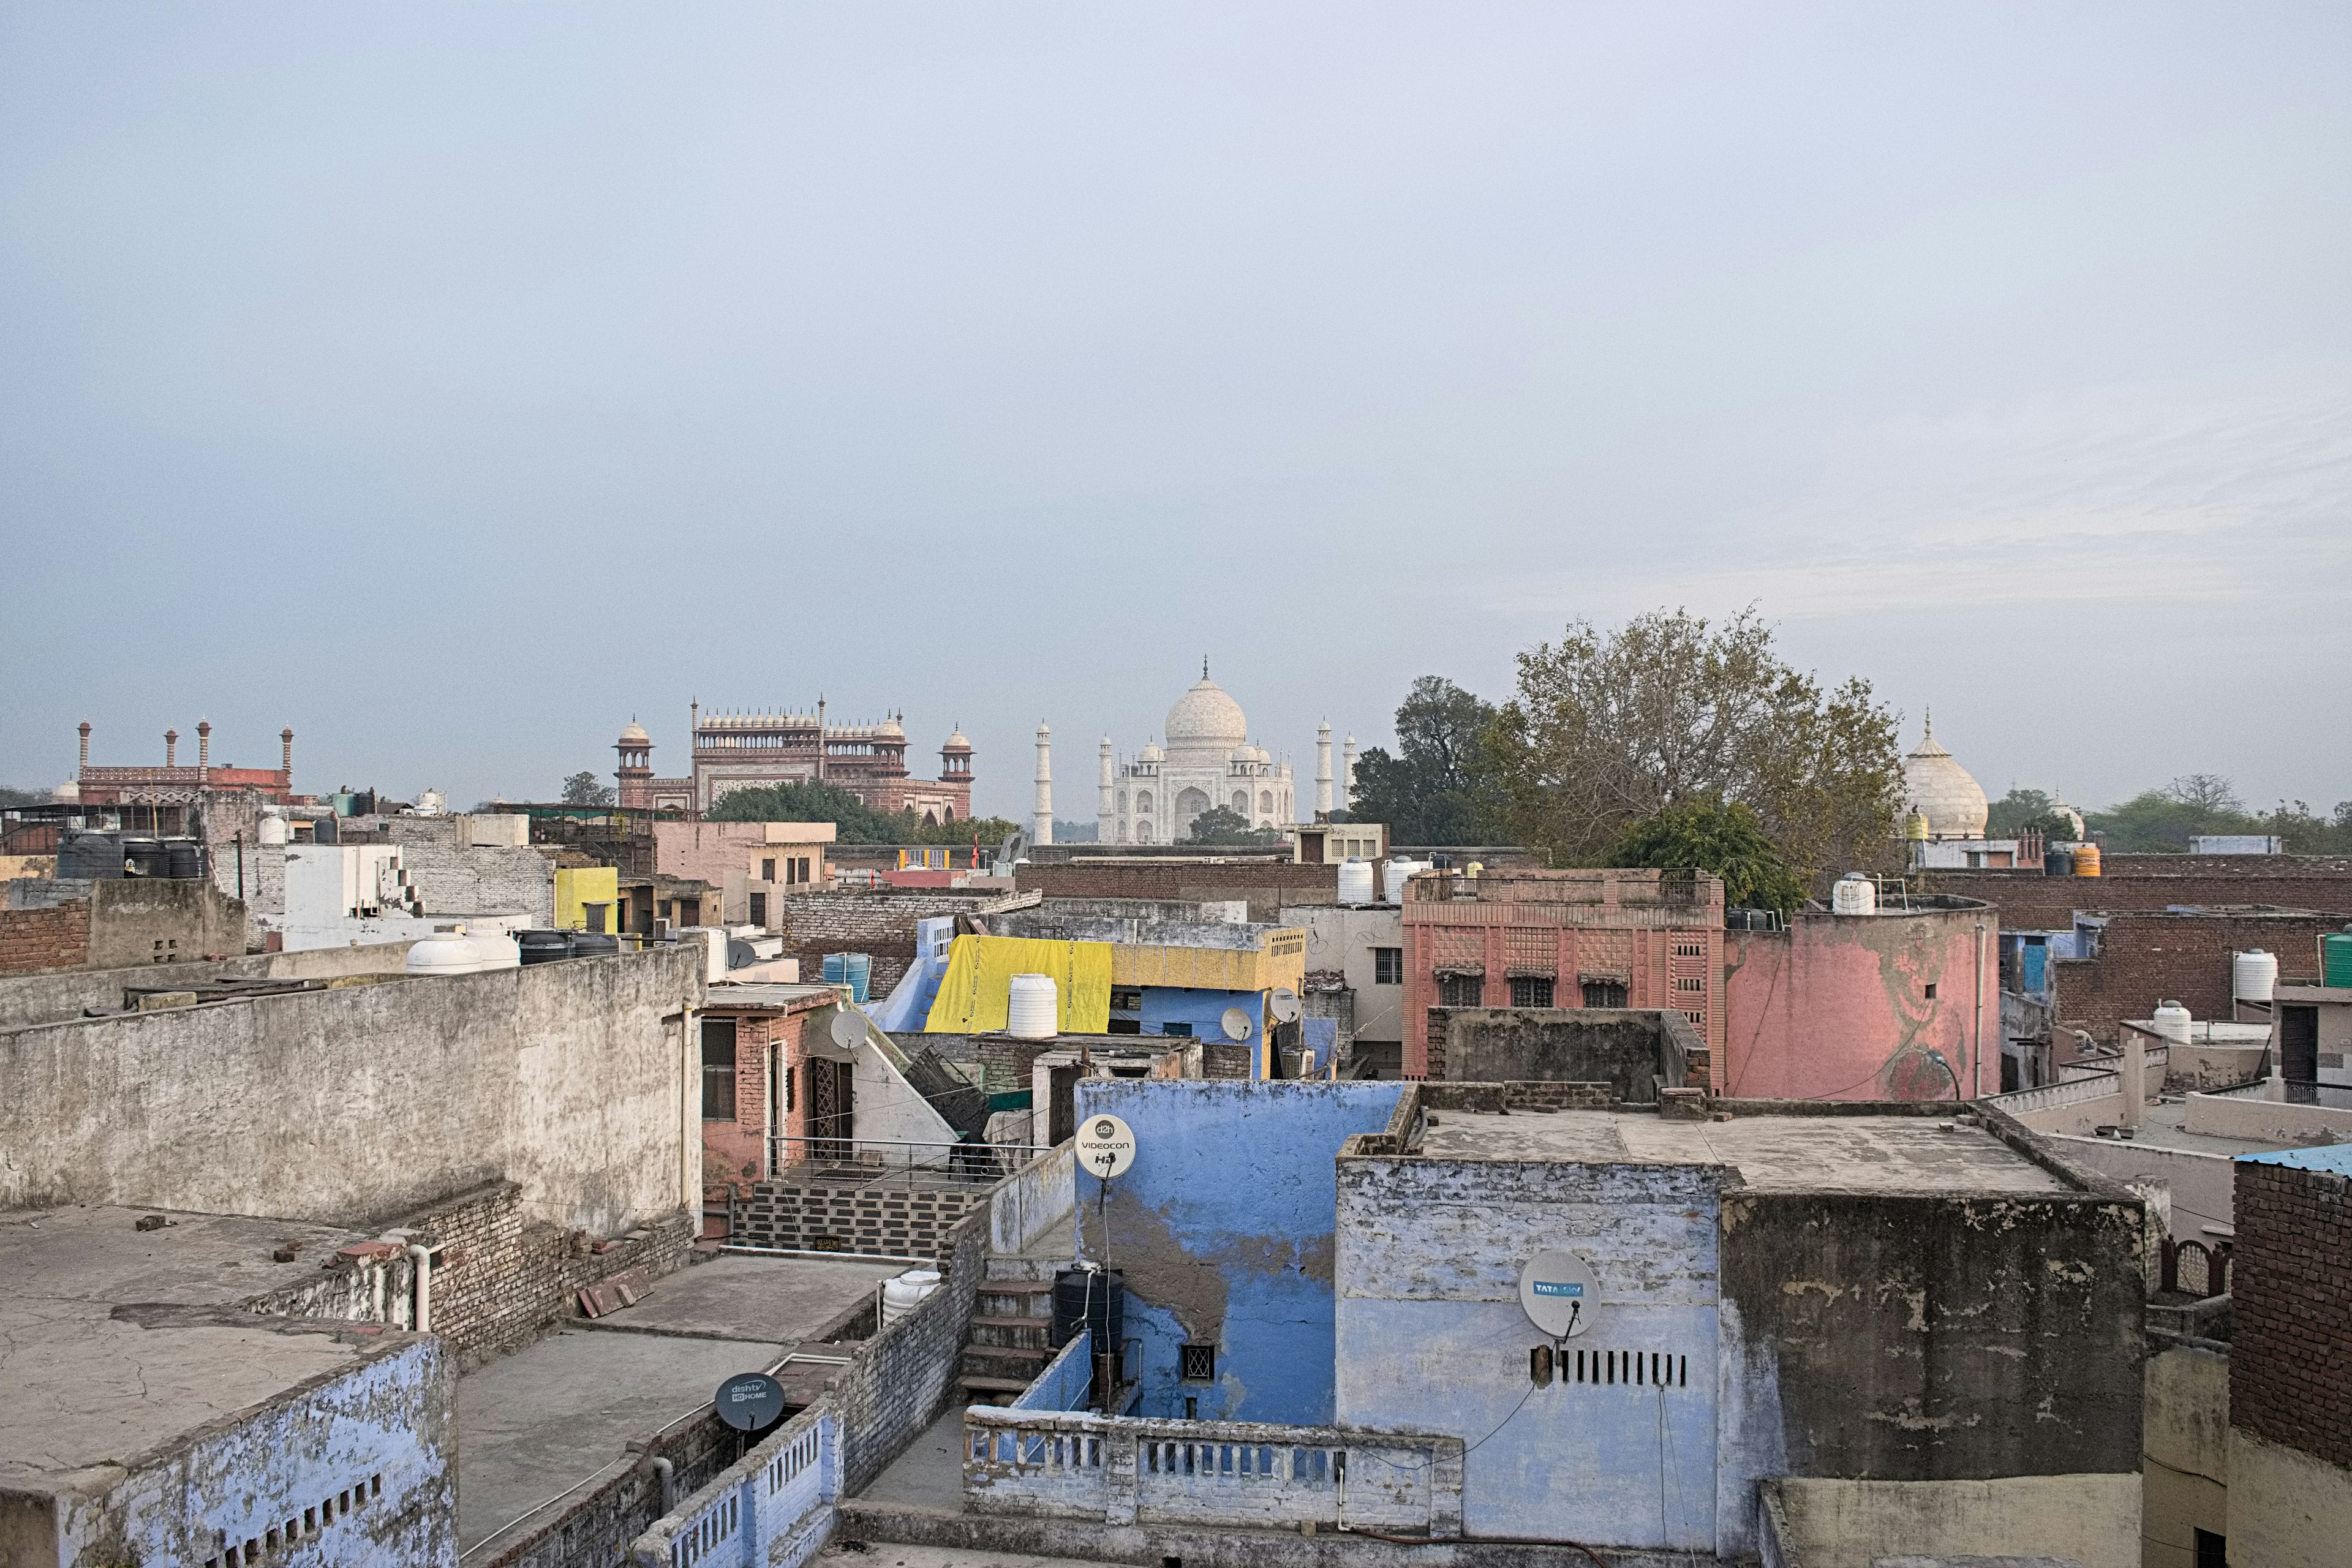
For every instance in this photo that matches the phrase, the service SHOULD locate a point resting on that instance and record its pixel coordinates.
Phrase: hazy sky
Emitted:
(452, 383)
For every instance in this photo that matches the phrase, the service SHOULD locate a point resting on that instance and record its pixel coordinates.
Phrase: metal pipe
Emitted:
(667, 1471)
(1976, 1068)
(421, 1315)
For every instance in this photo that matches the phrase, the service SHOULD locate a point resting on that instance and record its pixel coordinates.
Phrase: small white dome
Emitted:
(1939, 788)
(1150, 753)
(634, 735)
(66, 793)
(956, 743)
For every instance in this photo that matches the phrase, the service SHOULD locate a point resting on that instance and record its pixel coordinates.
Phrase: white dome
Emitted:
(634, 734)
(66, 793)
(1206, 721)
(1150, 753)
(1940, 789)
(956, 743)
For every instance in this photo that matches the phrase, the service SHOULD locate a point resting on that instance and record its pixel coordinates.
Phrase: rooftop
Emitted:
(116, 1341)
(1880, 1154)
(2335, 1159)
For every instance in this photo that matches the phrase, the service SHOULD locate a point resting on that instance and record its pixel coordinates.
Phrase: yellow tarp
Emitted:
(973, 993)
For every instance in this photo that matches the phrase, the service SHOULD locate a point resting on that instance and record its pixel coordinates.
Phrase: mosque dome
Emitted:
(1937, 786)
(1150, 753)
(956, 743)
(634, 735)
(1206, 720)
(891, 730)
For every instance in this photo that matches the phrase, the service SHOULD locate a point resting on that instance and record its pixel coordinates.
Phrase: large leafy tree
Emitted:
(1437, 787)
(1224, 825)
(585, 788)
(853, 821)
(1607, 730)
(2026, 810)
(1710, 835)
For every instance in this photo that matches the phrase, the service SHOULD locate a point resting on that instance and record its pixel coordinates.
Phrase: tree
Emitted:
(1605, 732)
(1438, 787)
(1707, 834)
(1224, 825)
(586, 789)
(853, 821)
(23, 796)
(2162, 822)
(2026, 811)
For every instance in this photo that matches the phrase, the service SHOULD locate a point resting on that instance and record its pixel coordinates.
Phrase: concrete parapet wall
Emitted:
(29, 999)
(2091, 1520)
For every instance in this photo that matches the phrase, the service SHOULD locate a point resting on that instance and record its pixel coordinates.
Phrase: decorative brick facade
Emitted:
(877, 1219)
(2291, 1297)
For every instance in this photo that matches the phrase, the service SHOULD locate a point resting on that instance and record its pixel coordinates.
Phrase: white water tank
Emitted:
(272, 828)
(1355, 880)
(2253, 976)
(904, 1294)
(1854, 894)
(1029, 1010)
(1395, 874)
(455, 952)
(2172, 1022)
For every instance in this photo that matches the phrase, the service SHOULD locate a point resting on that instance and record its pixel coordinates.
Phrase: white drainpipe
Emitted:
(421, 1319)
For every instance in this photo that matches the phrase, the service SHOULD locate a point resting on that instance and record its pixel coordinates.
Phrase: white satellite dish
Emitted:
(1558, 1294)
(843, 1035)
(1236, 1024)
(1105, 1145)
(1283, 1003)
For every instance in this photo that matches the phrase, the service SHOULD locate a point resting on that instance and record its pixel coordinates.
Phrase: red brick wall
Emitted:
(881, 924)
(2291, 1299)
(2030, 901)
(2147, 957)
(34, 940)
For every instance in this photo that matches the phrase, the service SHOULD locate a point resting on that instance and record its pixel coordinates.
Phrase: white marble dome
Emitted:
(1939, 788)
(1206, 720)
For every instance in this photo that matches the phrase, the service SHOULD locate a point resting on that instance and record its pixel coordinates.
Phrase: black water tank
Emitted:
(145, 858)
(543, 946)
(2058, 862)
(323, 831)
(86, 855)
(183, 860)
(594, 943)
(1093, 1298)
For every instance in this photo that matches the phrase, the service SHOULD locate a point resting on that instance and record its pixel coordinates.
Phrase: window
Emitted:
(1698, 983)
(2212, 1550)
(1241, 803)
(768, 870)
(718, 1069)
(1388, 966)
(1197, 1363)
(596, 915)
(1462, 991)
(1931, 991)
(760, 908)
(1266, 802)
(1531, 990)
(1184, 1030)
(1126, 999)
(1605, 993)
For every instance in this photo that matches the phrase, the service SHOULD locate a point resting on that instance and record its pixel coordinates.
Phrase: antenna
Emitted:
(1236, 1024)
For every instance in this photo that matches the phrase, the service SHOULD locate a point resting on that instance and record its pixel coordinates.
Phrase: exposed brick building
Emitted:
(2029, 900)
(2148, 956)
(1265, 885)
(752, 1037)
(1638, 939)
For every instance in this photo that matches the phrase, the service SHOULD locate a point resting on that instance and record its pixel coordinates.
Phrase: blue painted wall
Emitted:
(1431, 1338)
(1224, 1229)
(1205, 1011)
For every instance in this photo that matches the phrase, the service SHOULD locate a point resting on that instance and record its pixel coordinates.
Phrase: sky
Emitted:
(454, 383)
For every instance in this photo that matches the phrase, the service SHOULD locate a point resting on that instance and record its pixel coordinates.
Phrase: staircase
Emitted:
(1005, 1348)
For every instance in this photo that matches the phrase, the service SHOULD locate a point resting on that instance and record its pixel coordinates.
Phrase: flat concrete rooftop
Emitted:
(116, 1341)
(1916, 1154)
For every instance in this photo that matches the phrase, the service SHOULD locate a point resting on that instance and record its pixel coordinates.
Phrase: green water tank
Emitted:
(2336, 958)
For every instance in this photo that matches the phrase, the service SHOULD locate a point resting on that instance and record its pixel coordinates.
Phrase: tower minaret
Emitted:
(1323, 771)
(1041, 816)
(1103, 813)
(1347, 775)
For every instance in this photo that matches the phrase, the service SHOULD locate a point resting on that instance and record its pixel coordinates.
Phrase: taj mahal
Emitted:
(1208, 761)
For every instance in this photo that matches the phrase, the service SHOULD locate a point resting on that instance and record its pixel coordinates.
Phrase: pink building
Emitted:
(754, 865)
(1848, 1007)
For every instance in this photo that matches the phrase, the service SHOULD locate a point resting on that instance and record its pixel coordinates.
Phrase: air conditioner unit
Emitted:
(661, 929)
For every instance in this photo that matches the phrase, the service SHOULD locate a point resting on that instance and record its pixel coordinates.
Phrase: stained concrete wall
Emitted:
(2287, 1509)
(1837, 1007)
(1223, 1228)
(1628, 1049)
(50, 999)
(1431, 1338)
(391, 1419)
(2091, 1520)
(2185, 1482)
(568, 1077)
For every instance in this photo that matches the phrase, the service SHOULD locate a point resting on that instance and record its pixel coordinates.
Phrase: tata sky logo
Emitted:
(1558, 1286)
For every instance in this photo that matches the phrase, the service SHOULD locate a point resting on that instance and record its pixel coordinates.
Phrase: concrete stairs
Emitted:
(1013, 1314)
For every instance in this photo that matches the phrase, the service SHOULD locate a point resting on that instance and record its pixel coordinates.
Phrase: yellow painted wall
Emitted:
(1281, 961)
(975, 992)
(576, 886)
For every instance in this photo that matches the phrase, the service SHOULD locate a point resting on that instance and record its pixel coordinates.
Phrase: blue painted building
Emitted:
(1224, 1229)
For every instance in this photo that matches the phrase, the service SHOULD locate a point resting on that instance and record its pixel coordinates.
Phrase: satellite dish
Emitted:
(844, 1033)
(1558, 1294)
(1105, 1145)
(752, 1402)
(740, 954)
(1283, 1003)
(1236, 1024)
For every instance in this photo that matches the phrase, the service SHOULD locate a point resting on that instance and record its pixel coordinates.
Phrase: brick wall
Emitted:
(876, 1218)
(878, 922)
(33, 940)
(2030, 901)
(903, 1376)
(1266, 885)
(2145, 957)
(2290, 1299)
